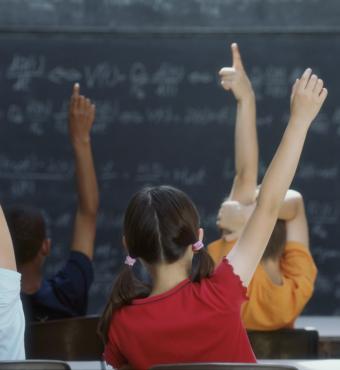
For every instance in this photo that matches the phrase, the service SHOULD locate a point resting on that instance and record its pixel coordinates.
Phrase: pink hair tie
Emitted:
(197, 246)
(130, 261)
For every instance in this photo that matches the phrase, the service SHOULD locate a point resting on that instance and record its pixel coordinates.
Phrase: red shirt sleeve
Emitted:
(112, 354)
(225, 287)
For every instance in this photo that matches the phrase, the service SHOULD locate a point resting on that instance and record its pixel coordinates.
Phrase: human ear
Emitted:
(200, 234)
(46, 247)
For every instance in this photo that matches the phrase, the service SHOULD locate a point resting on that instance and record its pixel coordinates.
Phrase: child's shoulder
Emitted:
(224, 286)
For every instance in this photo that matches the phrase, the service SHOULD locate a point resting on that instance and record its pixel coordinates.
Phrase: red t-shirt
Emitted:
(193, 322)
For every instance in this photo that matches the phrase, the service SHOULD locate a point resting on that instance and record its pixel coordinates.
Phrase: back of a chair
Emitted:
(72, 339)
(34, 365)
(285, 344)
(222, 366)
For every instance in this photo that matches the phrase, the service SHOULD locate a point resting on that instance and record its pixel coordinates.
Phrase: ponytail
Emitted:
(125, 288)
(204, 267)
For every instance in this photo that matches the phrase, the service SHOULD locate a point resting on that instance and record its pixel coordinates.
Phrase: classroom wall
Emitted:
(151, 68)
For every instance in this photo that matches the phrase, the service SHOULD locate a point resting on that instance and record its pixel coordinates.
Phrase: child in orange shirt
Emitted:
(284, 280)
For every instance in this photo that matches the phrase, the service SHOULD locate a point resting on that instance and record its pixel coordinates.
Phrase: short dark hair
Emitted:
(277, 242)
(28, 231)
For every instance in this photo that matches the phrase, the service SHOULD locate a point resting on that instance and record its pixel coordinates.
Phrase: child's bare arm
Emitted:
(308, 96)
(296, 220)
(81, 118)
(246, 147)
(7, 257)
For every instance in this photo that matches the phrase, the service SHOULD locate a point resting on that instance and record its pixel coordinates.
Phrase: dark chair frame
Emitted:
(222, 366)
(73, 339)
(34, 365)
(285, 344)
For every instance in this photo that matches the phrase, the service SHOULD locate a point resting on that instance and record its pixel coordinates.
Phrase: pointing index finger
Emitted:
(76, 89)
(237, 60)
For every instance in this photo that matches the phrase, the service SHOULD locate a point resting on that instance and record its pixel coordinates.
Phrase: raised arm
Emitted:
(7, 257)
(246, 147)
(233, 216)
(81, 117)
(307, 98)
(293, 212)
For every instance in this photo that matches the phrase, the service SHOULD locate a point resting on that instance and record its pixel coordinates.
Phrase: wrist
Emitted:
(247, 98)
(79, 142)
(299, 124)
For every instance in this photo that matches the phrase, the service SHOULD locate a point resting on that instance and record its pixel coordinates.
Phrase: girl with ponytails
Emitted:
(191, 315)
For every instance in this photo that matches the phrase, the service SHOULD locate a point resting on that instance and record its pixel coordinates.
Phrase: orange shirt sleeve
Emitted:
(219, 249)
(273, 306)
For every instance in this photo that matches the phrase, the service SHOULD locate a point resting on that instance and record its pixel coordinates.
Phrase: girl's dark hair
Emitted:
(277, 242)
(159, 225)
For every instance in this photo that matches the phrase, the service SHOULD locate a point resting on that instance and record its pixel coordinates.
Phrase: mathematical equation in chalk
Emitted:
(140, 78)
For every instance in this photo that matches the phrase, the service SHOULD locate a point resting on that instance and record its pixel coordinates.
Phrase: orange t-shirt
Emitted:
(271, 306)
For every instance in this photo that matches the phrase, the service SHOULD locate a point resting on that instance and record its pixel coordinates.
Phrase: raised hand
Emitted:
(246, 147)
(308, 96)
(235, 78)
(81, 116)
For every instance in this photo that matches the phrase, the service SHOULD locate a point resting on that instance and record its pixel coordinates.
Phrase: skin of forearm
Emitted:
(87, 187)
(279, 177)
(246, 150)
(246, 160)
(7, 257)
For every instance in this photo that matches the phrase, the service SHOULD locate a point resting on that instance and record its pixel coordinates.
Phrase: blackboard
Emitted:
(175, 15)
(161, 118)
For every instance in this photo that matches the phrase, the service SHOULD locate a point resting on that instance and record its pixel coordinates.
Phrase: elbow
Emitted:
(90, 210)
(295, 195)
(93, 209)
(297, 200)
(300, 201)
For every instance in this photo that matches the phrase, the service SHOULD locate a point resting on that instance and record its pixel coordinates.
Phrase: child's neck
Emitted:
(166, 276)
(31, 278)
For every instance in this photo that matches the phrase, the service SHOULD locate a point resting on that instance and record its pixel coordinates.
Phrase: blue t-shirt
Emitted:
(64, 295)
